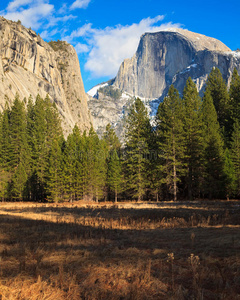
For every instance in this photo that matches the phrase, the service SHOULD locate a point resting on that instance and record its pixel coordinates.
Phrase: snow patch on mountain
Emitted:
(93, 91)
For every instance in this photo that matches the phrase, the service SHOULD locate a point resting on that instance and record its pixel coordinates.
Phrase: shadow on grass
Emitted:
(107, 260)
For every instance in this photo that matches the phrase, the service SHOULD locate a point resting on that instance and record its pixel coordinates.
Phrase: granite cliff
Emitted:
(164, 58)
(170, 57)
(30, 66)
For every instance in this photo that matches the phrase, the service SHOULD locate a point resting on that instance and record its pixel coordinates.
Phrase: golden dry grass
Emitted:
(123, 251)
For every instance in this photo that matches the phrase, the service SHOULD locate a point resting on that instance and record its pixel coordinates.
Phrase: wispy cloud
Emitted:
(37, 14)
(110, 46)
(31, 13)
(80, 4)
(13, 5)
(81, 48)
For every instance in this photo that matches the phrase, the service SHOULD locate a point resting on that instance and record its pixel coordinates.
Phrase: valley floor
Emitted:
(166, 250)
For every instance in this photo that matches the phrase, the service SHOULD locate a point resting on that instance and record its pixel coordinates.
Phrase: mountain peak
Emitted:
(199, 41)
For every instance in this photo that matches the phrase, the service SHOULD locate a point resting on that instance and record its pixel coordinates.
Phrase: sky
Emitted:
(104, 33)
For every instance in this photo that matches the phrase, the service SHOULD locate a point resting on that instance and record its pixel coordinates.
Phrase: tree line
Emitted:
(192, 150)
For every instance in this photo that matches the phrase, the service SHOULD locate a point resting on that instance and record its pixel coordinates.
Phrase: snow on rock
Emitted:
(94, 90)
(235, 54)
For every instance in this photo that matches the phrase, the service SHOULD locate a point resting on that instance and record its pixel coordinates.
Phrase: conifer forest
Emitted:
(191, 151)
(154, 217)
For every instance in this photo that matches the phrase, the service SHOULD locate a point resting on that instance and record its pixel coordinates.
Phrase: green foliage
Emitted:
(110, 91)
(234, 94)
(183, 156)
(111, 139)
(138, 132)
(235, 154)
(170, 141)
(114, 173)
(213, 149)
(218, 90)
(230, 179)
(193, 137)
(58, 45)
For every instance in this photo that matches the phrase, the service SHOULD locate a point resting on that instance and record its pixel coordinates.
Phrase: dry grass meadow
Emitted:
(185, 250)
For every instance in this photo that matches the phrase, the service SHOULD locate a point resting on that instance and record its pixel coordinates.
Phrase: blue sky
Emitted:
(105, 32)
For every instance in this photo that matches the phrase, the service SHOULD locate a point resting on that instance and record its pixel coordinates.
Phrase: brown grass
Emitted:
(123, 251)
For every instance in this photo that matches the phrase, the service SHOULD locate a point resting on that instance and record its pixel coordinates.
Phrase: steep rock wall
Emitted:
(30, 66)
(167, 57)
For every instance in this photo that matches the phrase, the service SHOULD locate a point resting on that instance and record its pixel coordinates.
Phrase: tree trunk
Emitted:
(174, 176)
(116, 195)
(96, 196)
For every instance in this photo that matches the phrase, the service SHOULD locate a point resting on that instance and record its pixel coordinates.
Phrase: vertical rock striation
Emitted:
(30, 66)
(167, 57)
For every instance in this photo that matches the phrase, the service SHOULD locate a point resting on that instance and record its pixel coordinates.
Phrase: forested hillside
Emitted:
(193, 150)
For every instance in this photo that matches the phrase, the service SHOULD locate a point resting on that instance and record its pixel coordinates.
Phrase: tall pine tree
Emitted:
(193, 137)
(213, 149)
(234, 94)
(218, 90)
(235, 154)
(138, 131)
(170, 141)
(114, 173)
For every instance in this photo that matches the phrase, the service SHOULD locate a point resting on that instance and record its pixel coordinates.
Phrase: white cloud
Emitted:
(81, 48)
(17, 3)
(33, 15)
(81, 32)
(80, 4)
(110, 46)
(48, 34)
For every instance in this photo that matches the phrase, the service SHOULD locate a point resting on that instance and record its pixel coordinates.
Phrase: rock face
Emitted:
(162, 58)
(170, 57)
(107, 110)
(30, 66)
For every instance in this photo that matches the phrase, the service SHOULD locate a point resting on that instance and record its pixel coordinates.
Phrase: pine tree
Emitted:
(229, 175)
(18, 183)
(5, 138)
(111, 139)
(170, 141)
(235, 154)
(138, 130)
(193, 137)
(218, 90)
(71, 165)
(94, 165)
(114, 173)
(213, 148)
(19, 151)
(112, 144)
(54, 180)
(234, 94)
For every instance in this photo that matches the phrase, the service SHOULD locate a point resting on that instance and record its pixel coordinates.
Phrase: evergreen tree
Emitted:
(235, 154)
(19, 151)
(138, 131)
(94, 165)
(18, 183)
(114, 174)
(218, 90)
(112, 144)
(54, 180)
(229, 175)
(193, 137)
(71, 165)
(213, 148)
(234, 94)
(170, 141)
(111, 139)
(5, 138)
(4, 174)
